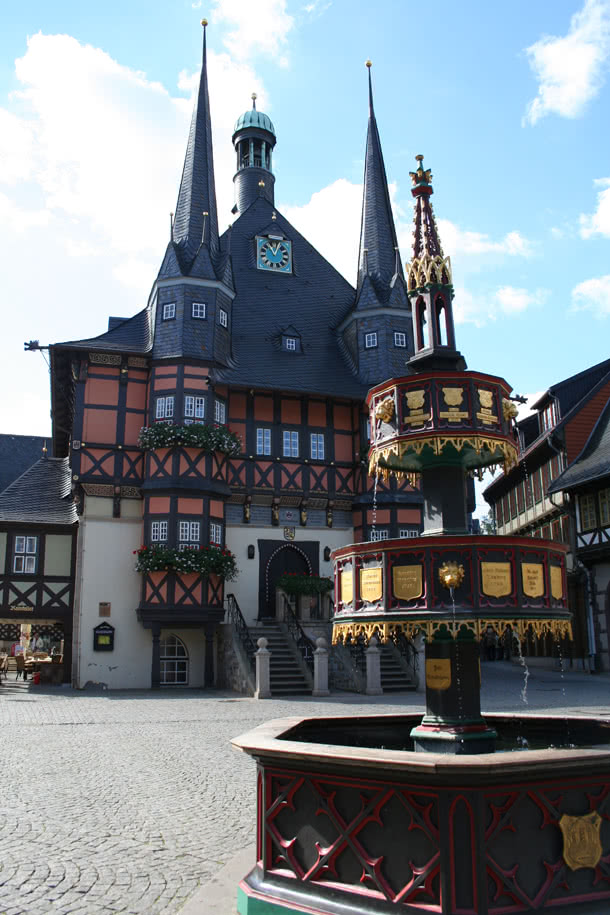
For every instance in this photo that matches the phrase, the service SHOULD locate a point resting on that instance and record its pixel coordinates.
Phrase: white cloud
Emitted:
(506, 300)
(257, 28)
(598, 223)
(593, 295)
(457, 241)
(338, 205)
(570, 69)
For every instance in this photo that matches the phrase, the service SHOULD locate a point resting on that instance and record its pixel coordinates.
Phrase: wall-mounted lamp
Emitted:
(326, 554)
(251, 551)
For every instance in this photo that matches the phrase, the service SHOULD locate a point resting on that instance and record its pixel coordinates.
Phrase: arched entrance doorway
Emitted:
(286, 558)
(174, 661)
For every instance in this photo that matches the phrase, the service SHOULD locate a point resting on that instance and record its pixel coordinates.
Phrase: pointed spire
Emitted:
(377, 230)
(428, 263)
(197, 193)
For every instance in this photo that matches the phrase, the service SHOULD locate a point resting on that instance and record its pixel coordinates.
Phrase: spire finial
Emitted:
(368, 64)
(253, 97)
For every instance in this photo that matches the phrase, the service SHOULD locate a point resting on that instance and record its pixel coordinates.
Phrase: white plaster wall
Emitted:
(245, 586)
(107, 573)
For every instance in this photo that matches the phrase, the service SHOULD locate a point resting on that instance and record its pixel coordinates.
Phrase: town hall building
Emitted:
(223, 427)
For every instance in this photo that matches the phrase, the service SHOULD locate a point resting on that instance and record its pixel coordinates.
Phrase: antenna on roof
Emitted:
(44, 450)
(253, 97)
(205, 216)
(171, 226)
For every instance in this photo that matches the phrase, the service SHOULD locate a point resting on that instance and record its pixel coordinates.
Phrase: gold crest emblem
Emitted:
(486, 398)
(582, 846)
(415, 399)
(453, 396)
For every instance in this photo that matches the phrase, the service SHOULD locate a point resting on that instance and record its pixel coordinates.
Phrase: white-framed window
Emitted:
(406, 532)
(220, 411)
(158, 531)
(400, 339)
(169, 311)
(604, 507)
(587, 512)
(194, 408)
(380, 533)
(290, 444)
(263, 441)
(317, 446)
(25, 555)
(215, 533)
(164, 407)
(291, 343)
(223, 318)
(370, 340)
(174, 661)
(198, 309)
(188, 535)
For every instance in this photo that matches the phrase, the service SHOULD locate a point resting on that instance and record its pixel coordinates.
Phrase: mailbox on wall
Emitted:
(103, 637)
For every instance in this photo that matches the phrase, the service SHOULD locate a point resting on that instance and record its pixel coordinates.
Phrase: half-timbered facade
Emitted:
(38, 525)
(528, 500)
(254, 335)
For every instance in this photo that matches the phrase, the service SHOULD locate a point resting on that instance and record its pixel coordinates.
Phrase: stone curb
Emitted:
(219, 896)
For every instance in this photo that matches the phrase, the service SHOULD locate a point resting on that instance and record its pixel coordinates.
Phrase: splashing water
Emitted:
(563, 692)
(526, 672)
(457, 657)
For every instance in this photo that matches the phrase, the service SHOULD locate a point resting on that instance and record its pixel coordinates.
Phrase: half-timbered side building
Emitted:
(247, 372)
(38, 525)
(529, 500)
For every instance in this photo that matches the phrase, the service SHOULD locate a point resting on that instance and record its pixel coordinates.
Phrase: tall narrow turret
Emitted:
(196, 221)
(378, 258)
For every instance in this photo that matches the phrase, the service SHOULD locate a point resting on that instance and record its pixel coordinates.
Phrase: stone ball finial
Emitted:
(373, 641)
(262, 642)
(321, 643)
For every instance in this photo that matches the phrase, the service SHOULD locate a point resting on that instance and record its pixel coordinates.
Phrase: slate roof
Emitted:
(313, 299)
(17, 453)
(41, 495)
(593, 462)
(377, 229)
(197, 192)
(132, 335)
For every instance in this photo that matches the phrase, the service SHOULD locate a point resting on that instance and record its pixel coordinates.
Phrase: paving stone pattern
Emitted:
(128, 801)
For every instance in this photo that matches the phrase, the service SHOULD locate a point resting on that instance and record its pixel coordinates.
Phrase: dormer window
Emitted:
(548, 416)
(223, 318)
(291, 343)
(290, 340)
(169, 311)
(370, 340)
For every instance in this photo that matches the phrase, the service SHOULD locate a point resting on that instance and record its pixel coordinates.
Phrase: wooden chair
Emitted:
(20, 667)
(3, 666)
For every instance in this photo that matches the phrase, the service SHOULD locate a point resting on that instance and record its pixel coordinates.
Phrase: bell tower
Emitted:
(430, 285)
(254, 139)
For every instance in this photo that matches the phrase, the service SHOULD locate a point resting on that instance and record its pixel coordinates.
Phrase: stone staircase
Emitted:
(287, 678)
(393, 678)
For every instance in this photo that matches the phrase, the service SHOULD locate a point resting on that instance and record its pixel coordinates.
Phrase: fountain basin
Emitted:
(351, 820)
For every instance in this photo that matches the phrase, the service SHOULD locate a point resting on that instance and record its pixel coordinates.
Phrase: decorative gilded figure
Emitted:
(385, 410)
(451, 575)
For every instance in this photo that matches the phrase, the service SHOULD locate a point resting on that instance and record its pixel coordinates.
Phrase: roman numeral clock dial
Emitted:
(274, 253)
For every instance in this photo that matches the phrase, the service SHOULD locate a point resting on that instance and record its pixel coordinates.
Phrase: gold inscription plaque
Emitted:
(407, 582)
(454, 415)
(347, 587)
(438, 673)
(496, 579)
(557, 582)
(371, 587)
(533, 578)
(582, 845)
(416, 418)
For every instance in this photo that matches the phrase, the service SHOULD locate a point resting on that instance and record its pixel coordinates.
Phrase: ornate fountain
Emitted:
(393, 813)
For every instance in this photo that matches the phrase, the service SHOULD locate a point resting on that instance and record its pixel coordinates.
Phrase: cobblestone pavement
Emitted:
(128, 801)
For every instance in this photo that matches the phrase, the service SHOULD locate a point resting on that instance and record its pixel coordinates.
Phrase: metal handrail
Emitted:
(243, 633)
(301, 640)
(406, 649)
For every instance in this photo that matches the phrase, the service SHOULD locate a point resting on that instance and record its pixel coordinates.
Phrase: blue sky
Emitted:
(508, 101)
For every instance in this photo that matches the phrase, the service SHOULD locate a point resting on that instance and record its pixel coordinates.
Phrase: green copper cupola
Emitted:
(254, 139)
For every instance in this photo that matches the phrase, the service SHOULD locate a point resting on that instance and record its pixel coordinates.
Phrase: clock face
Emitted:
(274, 254)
